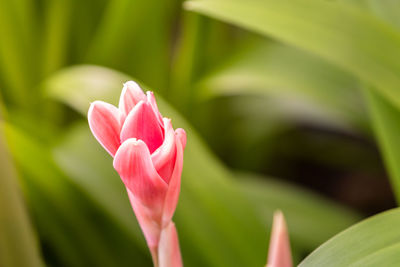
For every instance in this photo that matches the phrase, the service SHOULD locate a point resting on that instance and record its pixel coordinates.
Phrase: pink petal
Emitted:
(169, 254)
(152, 101)
(164, 157)
(279, 248)
(149, 223)
(182, 136)
(133, 163)
(142, 124)
(130, 96)
(104, 124)
(174, 186)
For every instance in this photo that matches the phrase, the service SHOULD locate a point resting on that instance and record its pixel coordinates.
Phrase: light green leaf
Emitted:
(19, 41)
(18, 244)
(385, 117)
(373, 242)
(85, 168)
(67, 221)
(57, 26)
(388, 10)
(310, 217)
(386, 122)
(340, 33)
(302, 83)
(93, 82)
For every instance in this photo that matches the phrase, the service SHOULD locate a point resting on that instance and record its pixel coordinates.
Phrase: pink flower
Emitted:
(279, 247)
(148, 155)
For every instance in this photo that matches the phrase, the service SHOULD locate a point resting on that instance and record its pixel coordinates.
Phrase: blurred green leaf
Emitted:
(304, 84)
(87, 15)
(310, 217)
(187, 62)
(133, 36)
(18, 244)
(94, 83)
(386, 122)
(389, 10)
(385, 116)
(57, 26)
(69, 225)
(373, 242)
(18, 28)
(86, 169)
(323, 28)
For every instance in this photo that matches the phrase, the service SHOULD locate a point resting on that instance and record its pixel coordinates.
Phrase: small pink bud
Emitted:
(148, 155)
(279, 247)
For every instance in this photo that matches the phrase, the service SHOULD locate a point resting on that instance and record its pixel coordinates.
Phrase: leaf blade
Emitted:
(325, 31)
(354, 246)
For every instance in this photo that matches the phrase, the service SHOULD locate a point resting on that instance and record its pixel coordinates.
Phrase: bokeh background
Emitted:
(278, 116)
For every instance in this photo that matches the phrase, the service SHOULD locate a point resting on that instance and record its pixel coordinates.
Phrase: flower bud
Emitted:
(148, 156)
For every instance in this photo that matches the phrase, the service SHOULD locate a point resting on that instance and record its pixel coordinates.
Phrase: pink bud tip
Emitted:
(279, 248)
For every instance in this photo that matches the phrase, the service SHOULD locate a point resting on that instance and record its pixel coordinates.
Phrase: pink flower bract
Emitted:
(148, 155)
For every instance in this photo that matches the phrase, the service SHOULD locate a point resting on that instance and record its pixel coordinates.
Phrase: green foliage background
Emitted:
(247, 80)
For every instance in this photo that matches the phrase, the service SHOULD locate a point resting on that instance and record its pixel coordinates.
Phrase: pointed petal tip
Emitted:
(131, 83)
(182, 136)
(134, 88)
(279, 249)
(103, 121)
(166, 120)
(279, 218)
(164, 156)
(150, 97)
(130, 96)
(143, 124)
(150, 94)
(95, 104)
(152, 100)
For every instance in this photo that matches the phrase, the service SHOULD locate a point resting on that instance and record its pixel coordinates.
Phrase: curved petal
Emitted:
(169, 254)
(104, 123)
(130, 96)
(152, 101)
(182, 136)
(150, 225)
(142, 124)
(164, 157)
(133, 163)
(174, 186)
